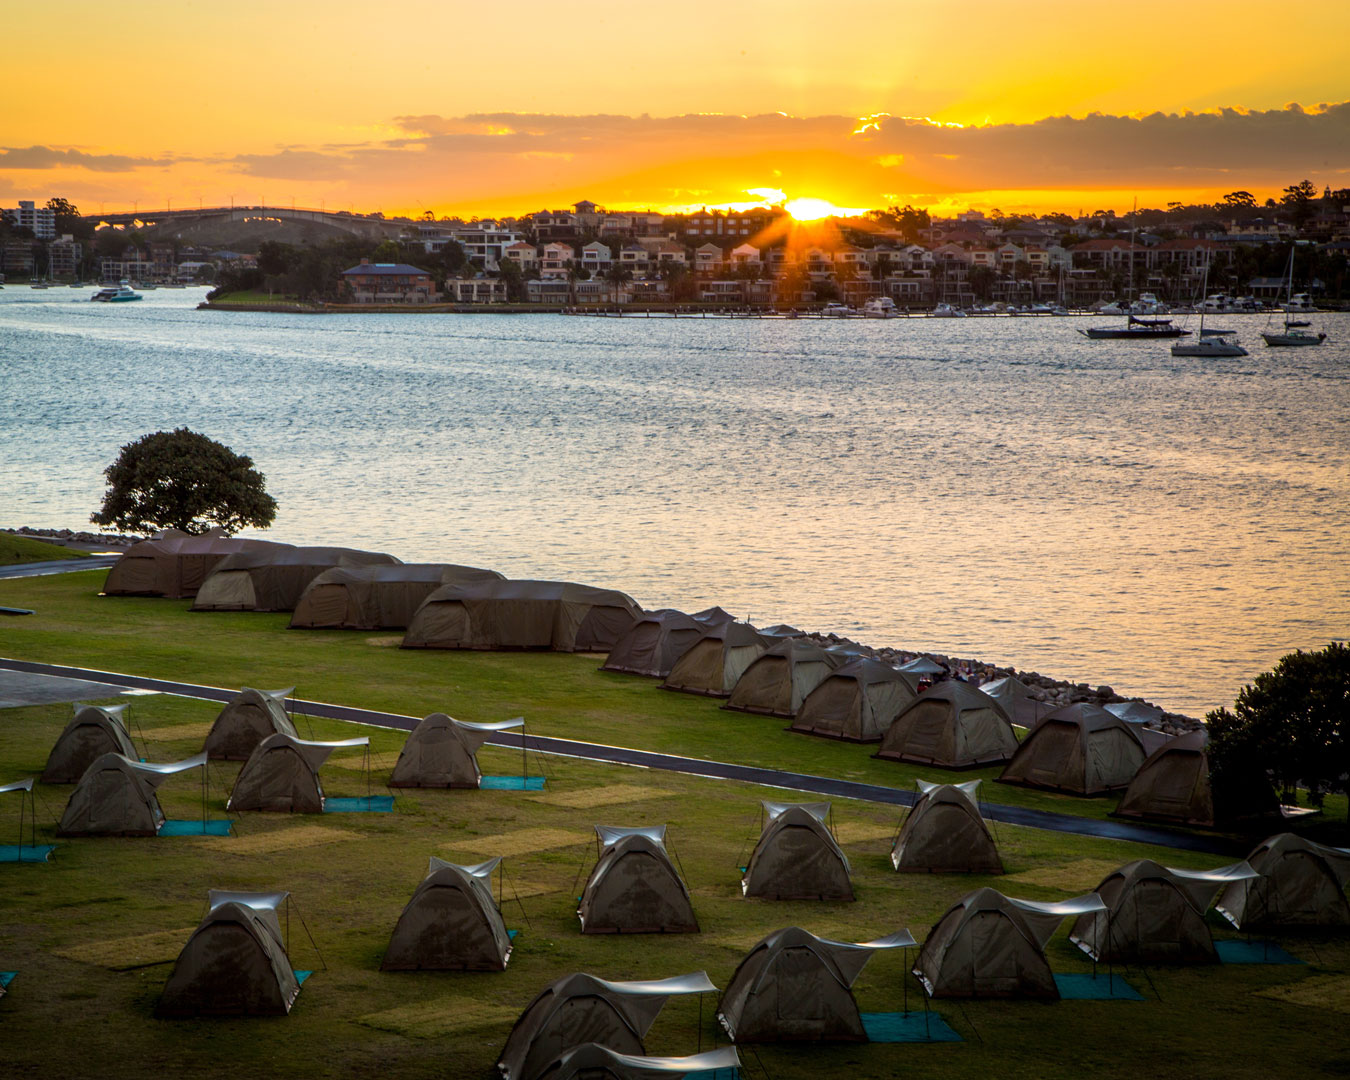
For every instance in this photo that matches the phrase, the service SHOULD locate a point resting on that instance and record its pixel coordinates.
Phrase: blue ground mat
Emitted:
(1253, 952)
(713, 1074)
(511, 783)
(301, 976)
(26, 852)
(6, 977)
(1084, 987)
(361, 804)
(512, 934)
(907, 1027)
(197, 828)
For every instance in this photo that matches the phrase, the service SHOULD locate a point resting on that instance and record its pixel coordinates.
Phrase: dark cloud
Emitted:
(46, 157)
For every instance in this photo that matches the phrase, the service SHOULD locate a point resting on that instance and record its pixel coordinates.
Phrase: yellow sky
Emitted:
(185, 101)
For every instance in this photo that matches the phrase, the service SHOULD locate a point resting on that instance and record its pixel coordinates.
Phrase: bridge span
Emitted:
(356, 224)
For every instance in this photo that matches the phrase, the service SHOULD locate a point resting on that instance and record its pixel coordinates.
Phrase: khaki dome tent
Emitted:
(1173, 785)
(92, 733)
(273, 579)
(247, 719)
(1301, 884)
(858, 702)
(451, 923)
(282, 775)
(1078, 748)
(653, 644)
(1014, 698)
(989, 945)
(579, 1009)
(634, 887)
(235, 962)
(951, 725)
(795, 987)
(558, 615)
(777, 683)
(797, 858)
(174, 564)
(1154, 915)
(116, 797)
(713, 663)
(714, 616)
(376, 597)
(945, 834)
(1135, 712)
(443, 752)
(591, 1061)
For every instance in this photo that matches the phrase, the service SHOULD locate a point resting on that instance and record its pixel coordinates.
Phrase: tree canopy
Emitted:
(1291, 722)
(183, 480)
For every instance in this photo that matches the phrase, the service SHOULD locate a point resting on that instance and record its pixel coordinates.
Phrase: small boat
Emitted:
(114, 294)
(1294, 333)
(880, 307)
(946, 311)
(1136, 329)
(839, 311)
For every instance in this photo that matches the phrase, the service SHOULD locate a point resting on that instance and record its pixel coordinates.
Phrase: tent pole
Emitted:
(700, 1023)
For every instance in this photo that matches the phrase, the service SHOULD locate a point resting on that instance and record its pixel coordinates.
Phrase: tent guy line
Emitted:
(716, 770)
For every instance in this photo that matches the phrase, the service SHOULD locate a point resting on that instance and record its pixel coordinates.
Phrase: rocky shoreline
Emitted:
(1054, 692)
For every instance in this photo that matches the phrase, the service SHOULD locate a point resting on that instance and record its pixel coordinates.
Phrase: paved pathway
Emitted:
(58, 566)
(803, 782)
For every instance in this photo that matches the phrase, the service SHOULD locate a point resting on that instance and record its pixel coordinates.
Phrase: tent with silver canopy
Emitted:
(1301, 883)
(653, 643)
(91, 733)
(1154, 914)
(175, 564)
(797, 857)
(579, 1009)
(951, 725)
(282, 775)
(634, 888)
(713, 663)
(451, 923)
(443, 752)
(989, 945)
(944, 833)
(858, 702)
(1080, 748)
(376, 597)
(796, 987)
(245, 721)
(777, 682)
(116, 796)
(235, 962)
(591, 1061)
(274, 578)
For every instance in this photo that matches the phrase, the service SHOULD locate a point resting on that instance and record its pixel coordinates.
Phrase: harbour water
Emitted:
(992, 488)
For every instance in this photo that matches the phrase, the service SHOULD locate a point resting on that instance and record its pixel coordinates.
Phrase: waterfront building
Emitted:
(389, 283)
(522, 253)
(65, 255)
(596, 257)
(40, 219)
(475, 290)
(554, 260)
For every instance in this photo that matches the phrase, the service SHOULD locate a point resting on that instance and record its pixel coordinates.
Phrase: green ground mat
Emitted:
(512, 783)
(220, 827)
(361, 804)
(1083, 987)
(898, 1027)
(26, 852)
(1253, 952)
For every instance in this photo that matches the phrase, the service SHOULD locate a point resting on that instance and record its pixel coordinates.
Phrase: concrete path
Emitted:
(543, 744)
(24, 688)
(58, 566)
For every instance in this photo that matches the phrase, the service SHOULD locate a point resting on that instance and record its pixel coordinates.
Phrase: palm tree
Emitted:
(617, 276)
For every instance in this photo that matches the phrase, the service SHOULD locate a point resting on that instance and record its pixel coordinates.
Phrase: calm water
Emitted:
(1003, 489)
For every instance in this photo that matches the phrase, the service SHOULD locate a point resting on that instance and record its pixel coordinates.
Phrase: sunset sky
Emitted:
(502, 109)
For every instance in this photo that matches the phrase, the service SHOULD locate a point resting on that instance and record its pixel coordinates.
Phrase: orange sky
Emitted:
(479, 109)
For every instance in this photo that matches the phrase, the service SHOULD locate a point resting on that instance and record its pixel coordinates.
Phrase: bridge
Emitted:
(356, 224)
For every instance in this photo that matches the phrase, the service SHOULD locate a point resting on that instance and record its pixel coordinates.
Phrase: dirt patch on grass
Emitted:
(612, 795)
(386, 641)
(1321, 992)
(859, 832)
(123, 954)
(1080, 876)
(171, 733)
(521, 842)
(301, 836)
(444, 1016)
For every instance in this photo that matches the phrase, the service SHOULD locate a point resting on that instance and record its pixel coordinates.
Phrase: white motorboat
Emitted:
(880, 307)
(946, 311)
(840, 311)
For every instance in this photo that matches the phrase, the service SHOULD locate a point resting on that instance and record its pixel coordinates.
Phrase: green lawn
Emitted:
(24, 549)
(65, 926)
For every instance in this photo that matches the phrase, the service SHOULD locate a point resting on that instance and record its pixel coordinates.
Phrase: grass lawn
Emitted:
(24, 549)
(256, 296)
(92, 933)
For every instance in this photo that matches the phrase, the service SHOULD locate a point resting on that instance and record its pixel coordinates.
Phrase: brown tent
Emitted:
(951, 725)
(92, 733)
(795, 987)
(1154, 915)
(235, 962)
(451, 923)
(443, 752)
(376, 597)
(116, 797)
(273, 579)
(579, 1009)
(282, 775)
(989, 945)
(591, 1061)
(714, 616)
(174, 564)
(1014, 698)
(247, 719)
(713, 663)
(796, 857)
(558, 615)
(634, 887)
(945, 834)
(1173, 785)
(858, 702)
(1078, 748)
(1302, 883)
(777, 683)
(654, 643)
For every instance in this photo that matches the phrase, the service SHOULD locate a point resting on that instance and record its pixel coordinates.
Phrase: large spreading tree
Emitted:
(183, 480)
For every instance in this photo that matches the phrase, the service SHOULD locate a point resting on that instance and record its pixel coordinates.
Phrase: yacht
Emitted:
(833, 310)
(880, 307)
(113, 294)
(1294, 333)
(1136, 329)
(1149, 304)
(1300, 301)
(946, 311)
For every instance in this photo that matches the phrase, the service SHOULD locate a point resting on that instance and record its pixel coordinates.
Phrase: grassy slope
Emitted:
(350, 893)
(23, 549)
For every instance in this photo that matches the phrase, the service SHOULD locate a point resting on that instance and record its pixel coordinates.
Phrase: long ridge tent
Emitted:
(945, 833)
(235, 962)
(1173, 785)
(653, 644)
(273, 579)
(634, 888)
(282, 775)
(451, 923)
(1301, 883)
(713, 663)
(376, 597)
(558, 615)
(246, 720)
(579, 1009)
(1014, 697)
(951, 725)
(92, 732)
(797, 857)
(1080, 748)
(443, 752)
(116, 796)
(777, 683)
(175, 564)
(858, 702)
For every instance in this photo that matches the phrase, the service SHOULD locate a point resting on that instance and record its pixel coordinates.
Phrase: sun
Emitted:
(808, 209)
